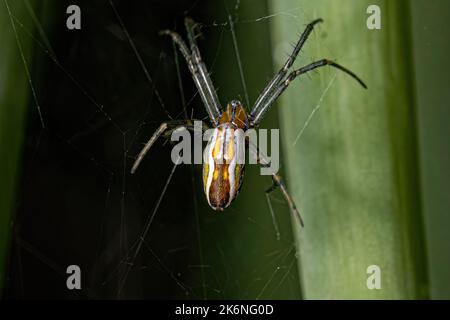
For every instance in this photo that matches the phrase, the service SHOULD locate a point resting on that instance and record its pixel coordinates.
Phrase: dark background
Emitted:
(71, 187)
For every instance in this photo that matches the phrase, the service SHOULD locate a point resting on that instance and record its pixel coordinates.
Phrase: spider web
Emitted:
(151, 235)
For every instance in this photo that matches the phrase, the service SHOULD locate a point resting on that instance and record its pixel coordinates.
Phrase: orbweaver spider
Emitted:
(222, 175)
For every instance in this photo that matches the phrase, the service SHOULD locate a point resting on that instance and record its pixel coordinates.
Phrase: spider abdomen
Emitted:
(224, 158)
(223, 169)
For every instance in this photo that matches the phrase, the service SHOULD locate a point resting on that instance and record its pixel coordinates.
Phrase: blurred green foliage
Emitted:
(14, 99)
(431, 64)
(354, 170)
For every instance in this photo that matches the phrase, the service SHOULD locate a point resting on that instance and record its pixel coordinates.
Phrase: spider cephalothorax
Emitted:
(222, 172)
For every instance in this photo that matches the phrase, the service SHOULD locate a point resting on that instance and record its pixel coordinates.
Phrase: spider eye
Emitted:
(235, 103)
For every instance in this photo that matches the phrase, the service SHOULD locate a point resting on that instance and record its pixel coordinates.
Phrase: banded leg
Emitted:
(165, 128)
(294, 74)
(258, 109)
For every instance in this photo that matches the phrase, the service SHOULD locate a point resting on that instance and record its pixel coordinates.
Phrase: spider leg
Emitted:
(199, 74)
(164, 128)
(258, 109)
(323, 63)
(214, 99)
(294, 74)
(277, 181)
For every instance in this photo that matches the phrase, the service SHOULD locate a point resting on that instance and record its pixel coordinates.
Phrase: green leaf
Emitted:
(431, 52)
(353, 169)
(15, 66)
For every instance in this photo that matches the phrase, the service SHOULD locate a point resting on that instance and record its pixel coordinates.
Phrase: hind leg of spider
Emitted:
(166, 128)
(277, 182)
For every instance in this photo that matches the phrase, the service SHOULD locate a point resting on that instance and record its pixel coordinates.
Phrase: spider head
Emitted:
(236, 114)
(235, 103)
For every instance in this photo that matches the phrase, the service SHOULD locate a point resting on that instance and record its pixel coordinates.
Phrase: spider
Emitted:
(222, 177)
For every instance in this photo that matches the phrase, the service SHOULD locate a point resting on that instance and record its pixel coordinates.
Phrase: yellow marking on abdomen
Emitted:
(216, 174)
(230, 150)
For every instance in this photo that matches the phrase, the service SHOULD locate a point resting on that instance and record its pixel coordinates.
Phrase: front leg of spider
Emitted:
(276, 87)
(281, 80)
